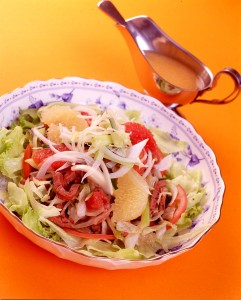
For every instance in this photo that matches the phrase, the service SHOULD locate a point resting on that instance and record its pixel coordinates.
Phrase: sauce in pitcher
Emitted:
(174, 71)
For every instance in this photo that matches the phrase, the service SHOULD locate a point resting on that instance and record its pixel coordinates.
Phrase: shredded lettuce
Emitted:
(32, 220)
(101, 248)
(101, 153)
(41, 209)
(145, 217)
(17, 200)
(187, 217)
(70, 240)
(191, 181)
(167, 143)
(27, 119)
(133, 115)
(11, 152)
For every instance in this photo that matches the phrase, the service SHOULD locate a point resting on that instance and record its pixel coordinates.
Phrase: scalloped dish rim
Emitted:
(120, 93)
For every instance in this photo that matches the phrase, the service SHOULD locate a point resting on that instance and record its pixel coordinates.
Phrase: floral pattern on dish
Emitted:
(105, 94)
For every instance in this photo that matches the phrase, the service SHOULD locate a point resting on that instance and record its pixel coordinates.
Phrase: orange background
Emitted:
(42, 39)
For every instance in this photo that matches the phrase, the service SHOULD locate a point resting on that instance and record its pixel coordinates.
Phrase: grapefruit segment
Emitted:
(131, 197)
(65, 115)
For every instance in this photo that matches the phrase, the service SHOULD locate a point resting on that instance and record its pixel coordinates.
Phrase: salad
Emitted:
(100, 182)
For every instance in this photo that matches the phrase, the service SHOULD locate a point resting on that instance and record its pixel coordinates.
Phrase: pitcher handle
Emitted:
(235, 76)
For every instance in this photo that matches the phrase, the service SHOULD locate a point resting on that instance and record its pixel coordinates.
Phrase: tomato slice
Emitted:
(179, 204)
(26, 167)
(90, 235)
(97, 200)
(40, 155)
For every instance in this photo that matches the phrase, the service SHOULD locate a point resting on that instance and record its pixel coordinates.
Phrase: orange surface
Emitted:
(42, 39)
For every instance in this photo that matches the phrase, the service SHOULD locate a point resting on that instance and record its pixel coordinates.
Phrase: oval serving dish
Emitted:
(153, 113)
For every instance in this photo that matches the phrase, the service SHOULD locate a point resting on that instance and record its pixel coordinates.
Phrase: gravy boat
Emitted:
(166, 70)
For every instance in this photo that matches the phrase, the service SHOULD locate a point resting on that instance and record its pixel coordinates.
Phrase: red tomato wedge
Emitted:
(40, 155)
(138, 133)
(180, 205)
(26, 167)
(97, 200)
(90, 235)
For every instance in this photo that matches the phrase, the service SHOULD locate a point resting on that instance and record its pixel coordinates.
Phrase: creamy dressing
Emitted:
(174, 71)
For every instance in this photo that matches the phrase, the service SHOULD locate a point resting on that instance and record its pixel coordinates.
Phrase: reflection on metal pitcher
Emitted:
(167, 71)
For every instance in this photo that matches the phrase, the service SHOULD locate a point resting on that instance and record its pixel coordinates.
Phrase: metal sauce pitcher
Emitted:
(143, 36)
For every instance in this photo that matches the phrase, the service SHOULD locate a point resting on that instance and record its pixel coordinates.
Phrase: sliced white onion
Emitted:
(150, 162)
(160, 232)
(163, 194)
(144, 157)
(35, 141)
(135, 150)
(55, 201)
(107, 178)
(165, 163)
(93, 220)
(67, 137)
(110, 164)
(65, 207)
(35, 190)
(173, 189)
(169, 212)
(120, 172)
(131, 240)
(95, 166)
(40, 182)
(85, 117)
(44, 139)
(117, 158)
(31, 162)
(65, 166)
(95, 175)
(81, 209)
(157, 174)
(72, 214)
(127, 227)
(157, 216)
(66, 156)
(84, 192)
(49, 161)
(104, 227)
(111, 224)
(94, 213)
(132, 154)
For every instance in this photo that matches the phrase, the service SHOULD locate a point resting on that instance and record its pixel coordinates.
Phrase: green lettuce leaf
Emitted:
(41, 209)
(32, 221)
(70, 240)
(148, 244)
(191, 181)
(133, 115)
(100, 248)
(187, 218)
(17, 200)
(27, 119)
(11, 152)
(166, 143)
